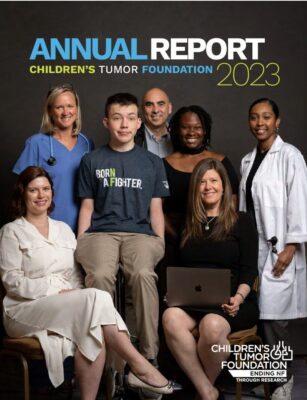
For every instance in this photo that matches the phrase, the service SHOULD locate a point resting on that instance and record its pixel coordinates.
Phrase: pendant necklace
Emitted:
(207, 226)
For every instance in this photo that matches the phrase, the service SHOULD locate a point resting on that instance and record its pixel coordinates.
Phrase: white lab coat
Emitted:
(279, 192)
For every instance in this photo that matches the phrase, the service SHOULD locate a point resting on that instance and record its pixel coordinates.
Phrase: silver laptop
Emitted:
(197, 287)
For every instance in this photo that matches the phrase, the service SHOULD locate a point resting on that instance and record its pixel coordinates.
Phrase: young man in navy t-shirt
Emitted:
(121, 218)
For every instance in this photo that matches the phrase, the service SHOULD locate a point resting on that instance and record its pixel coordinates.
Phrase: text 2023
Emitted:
(242, 74)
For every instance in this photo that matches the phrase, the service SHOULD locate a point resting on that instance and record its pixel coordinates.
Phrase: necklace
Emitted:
(208, 221)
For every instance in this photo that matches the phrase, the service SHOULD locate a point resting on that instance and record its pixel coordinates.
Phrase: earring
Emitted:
(277, 129)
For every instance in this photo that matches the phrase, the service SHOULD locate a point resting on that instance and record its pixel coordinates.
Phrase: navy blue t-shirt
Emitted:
(122, 185)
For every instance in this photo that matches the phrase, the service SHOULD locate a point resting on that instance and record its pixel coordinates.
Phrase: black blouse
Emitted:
(238, 252)
(249, 181)
(179, 182)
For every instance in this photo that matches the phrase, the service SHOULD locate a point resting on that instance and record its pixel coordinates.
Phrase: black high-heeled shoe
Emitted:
(137, 383)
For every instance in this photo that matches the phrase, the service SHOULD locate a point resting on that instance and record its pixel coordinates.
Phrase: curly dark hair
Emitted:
(205, 119)
(18, 206)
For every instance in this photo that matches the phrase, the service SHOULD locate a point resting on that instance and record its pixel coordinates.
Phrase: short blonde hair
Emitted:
(47, 124)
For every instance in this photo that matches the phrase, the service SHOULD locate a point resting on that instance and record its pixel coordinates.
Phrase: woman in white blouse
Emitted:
(43, 299)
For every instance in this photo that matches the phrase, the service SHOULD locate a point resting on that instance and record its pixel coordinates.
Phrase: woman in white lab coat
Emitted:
(273, 190)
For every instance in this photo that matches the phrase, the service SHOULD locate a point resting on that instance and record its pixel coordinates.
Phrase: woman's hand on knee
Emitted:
(233, 306)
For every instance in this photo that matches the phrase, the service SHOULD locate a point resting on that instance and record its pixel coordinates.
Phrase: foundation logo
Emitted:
(257, 363)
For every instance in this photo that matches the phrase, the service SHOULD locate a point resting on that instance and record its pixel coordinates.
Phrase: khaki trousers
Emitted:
(100, 254)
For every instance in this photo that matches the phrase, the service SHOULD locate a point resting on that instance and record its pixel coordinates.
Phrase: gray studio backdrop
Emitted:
(282, 24)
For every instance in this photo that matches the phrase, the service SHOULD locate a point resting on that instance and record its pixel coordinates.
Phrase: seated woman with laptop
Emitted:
(215, 236)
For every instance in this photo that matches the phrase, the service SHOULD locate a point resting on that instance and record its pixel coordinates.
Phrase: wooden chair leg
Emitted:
(25, 368)
(26, 380)
(238, 390)
(266, 391)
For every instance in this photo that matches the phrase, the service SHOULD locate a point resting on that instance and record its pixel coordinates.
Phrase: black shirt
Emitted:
(249, 181)
(238, 252)
(179, 186)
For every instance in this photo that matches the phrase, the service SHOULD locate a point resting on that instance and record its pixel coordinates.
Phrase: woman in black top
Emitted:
(217, 236)
(190, 129)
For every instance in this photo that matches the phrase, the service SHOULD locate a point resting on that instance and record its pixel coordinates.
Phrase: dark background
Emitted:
(282, 24)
